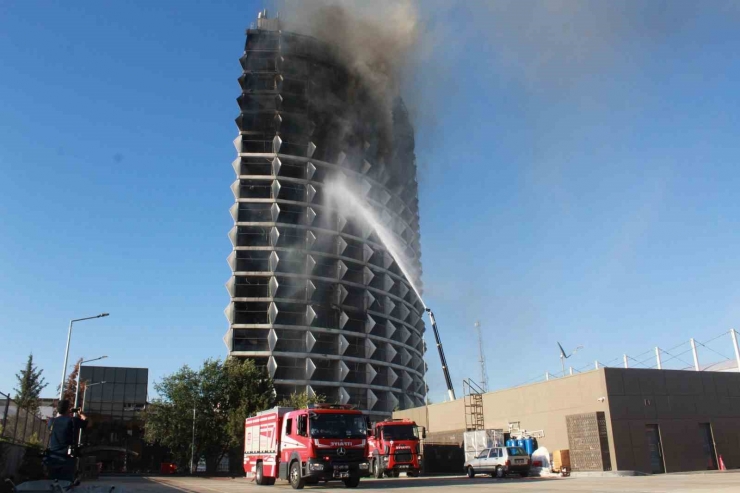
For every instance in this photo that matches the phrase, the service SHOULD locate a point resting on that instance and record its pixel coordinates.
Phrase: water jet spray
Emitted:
(347, 200)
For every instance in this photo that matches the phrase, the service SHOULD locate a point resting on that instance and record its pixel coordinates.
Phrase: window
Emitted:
(483, 454)
(516, 451)
(302, 425)
(496, 452)
(335, 425)
(399, 432)
(289, 427)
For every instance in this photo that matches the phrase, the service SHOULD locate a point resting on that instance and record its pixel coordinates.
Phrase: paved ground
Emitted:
(725, 482)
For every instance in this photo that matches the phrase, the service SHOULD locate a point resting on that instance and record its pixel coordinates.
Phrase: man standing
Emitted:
(64, 429)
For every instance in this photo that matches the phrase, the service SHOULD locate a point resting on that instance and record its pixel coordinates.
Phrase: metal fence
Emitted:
(18, 425)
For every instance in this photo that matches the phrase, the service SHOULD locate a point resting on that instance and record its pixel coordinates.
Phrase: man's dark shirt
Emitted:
(64, 432)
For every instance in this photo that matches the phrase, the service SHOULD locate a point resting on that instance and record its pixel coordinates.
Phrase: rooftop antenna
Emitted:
(563, 356)
(481, 359)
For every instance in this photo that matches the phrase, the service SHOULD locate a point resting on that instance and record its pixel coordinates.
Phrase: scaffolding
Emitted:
(473, 398)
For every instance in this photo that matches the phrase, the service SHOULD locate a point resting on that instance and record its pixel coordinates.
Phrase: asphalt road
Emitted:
(724, 482)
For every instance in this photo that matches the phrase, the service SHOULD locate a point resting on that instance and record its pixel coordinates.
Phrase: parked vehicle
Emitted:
(500, 461)
(305, 446)
(393, 448)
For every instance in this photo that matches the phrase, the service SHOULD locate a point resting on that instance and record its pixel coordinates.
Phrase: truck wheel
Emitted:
(471, 472)
(296, 481)
(377, 472)
(260, 478)
(352, 482)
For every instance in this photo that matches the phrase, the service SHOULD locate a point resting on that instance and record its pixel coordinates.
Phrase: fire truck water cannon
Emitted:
(394, 447)
(323, 442)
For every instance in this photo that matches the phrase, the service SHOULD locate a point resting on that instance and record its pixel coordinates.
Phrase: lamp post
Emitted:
(66, 352)
(193, 466)
(79, 372)
(84, 396)
(193, 463)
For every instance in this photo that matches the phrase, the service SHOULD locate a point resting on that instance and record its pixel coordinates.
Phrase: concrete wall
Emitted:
(540, 406)
(677, 401)
(446, 423)
(544, 406)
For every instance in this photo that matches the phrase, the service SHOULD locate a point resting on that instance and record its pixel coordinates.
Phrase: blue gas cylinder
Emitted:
(529, 445)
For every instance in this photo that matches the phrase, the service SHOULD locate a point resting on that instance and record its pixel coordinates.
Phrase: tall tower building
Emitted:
(316, 297)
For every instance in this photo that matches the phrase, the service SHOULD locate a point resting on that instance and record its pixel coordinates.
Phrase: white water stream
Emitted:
(347, 200)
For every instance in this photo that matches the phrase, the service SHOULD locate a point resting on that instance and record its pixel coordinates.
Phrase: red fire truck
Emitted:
(393, 447)
(305, 446)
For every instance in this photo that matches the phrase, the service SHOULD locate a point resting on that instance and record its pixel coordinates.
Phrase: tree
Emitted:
(302, 400)
(70, 388)
(30, 384)
(216, 399)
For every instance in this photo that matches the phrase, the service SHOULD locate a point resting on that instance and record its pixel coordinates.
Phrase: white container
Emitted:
(476, 441)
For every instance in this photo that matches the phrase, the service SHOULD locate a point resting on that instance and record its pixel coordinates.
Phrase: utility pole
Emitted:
(192, 447)
(481, 359)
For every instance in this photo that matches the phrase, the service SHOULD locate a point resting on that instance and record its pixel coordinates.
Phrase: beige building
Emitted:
(656, 420)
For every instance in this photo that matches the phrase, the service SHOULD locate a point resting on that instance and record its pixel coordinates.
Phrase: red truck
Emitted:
(393, 447)
(305, 446)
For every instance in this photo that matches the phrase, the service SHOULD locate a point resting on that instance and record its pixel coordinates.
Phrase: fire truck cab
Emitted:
(305, 446)
(394, 447)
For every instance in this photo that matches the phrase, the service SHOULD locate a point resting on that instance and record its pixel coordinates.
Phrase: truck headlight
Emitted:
(316, 466)
(364, 465)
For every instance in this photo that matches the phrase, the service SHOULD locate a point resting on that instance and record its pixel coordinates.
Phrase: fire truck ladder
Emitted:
(473, 397)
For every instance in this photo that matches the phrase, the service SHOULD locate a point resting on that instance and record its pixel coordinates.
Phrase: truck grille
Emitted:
(350, 455)
(404, 457)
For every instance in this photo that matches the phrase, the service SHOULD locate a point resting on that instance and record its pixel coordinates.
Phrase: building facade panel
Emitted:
(316, 296)
(114, 402)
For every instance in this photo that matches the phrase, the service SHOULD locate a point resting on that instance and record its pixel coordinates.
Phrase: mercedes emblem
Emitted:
(341, 452)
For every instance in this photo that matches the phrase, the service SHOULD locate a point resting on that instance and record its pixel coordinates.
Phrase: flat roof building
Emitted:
(652, 421)
(114, 401)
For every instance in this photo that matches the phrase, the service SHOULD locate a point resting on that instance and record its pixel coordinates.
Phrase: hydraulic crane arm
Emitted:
(445, 370)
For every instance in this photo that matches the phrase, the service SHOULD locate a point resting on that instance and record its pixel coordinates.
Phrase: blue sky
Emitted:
(578, 168)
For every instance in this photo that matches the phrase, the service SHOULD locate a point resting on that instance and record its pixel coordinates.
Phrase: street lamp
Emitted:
(84, 396)
(79, 372)
(66, 352)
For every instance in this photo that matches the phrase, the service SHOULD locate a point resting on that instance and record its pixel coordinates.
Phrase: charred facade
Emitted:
(315, 296)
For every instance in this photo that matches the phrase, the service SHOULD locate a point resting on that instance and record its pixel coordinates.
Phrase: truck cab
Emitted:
(394, 447)
(319, 443)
